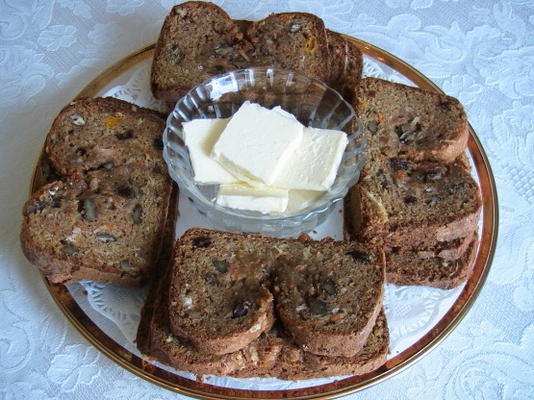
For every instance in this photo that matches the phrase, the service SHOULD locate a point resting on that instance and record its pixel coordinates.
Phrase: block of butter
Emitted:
(244, 197)
(200, 135)
(314, 164)
(257, 143)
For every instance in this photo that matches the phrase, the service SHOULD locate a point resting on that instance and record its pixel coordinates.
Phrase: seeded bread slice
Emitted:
(292, 41)
(400, 203)
(328, 295)
(218, 299)
(106, 226)
(197, 40)
(411, 269)
(407, 122)
(91, 133)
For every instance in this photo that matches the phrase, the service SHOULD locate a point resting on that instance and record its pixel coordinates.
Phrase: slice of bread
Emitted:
(293, 41)
(218, 300)
(91, 133)
(400, 203)
(106, 226)
(406, 122)
(328, 295)
(197, 40)
(409, 268)
(270, 355)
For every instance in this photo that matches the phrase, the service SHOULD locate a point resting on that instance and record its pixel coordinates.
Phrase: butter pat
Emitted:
(257, 143)
(244, 197)
(200, 136)
(314, 164)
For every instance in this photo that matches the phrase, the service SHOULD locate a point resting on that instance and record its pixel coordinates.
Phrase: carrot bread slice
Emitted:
(328, 295)
(411, 269)
(400, 203)
(106, 226)
(93, 133)
(407, 122)
(197, 40)
(218, 298)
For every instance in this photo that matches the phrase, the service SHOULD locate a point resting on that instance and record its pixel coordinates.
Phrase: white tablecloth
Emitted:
(481, 52)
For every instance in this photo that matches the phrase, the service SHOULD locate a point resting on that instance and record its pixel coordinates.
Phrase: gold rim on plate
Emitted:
(166, 379)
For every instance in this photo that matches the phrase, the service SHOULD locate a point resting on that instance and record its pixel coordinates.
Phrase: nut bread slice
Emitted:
(328, 295)
(411, 123)
(106, 226)
(93, 133)
(293, 41)
(409, 268)
(198, 40)
(400, 203)
(272, 354)
(218, 300)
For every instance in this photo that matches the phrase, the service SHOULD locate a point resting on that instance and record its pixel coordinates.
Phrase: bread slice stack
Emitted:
(101, 212)
(416, 196)
(199, 40)
(248, 305)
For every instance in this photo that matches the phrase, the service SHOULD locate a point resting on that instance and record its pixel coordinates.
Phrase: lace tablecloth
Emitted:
(481, 52)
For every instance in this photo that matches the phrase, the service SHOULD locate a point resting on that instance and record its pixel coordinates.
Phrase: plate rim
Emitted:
(460, 308)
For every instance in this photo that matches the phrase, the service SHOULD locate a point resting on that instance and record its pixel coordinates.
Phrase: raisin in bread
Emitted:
(409, 268)
(197, 40)
(106, 226)
(218, 298)
(93, 133)
(400, 203)
(408, 122)
(328, 295)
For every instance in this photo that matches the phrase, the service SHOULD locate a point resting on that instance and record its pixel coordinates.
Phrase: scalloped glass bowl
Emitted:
(313, 104)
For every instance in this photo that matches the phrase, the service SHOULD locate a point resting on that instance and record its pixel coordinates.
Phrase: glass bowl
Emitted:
(311, 101)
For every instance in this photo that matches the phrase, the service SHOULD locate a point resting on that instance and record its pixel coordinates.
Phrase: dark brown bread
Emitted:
(399, 203)
(106, 226)
(197, 40)
(407, 122)
(272, 354)
(219, 302)
(328, 295)
(92, 133)
(409, 268)
(292, 41)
